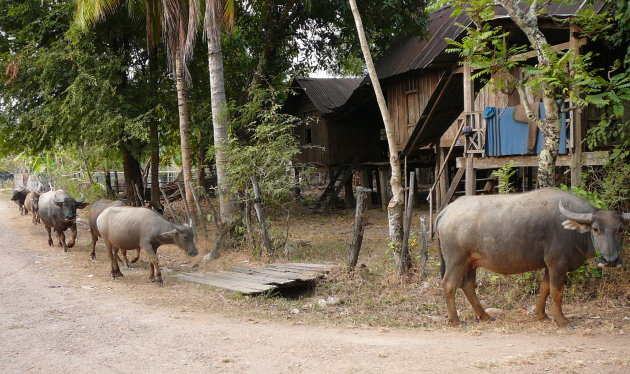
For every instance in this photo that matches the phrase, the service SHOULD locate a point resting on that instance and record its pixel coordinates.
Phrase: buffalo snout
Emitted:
(192, 253)
(609, 261)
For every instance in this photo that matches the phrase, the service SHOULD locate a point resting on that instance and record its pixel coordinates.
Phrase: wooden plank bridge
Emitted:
(258, 280)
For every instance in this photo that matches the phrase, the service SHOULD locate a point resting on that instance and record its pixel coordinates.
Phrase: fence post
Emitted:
(359, 225)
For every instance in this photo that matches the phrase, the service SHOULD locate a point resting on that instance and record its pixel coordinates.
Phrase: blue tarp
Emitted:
(505, 136)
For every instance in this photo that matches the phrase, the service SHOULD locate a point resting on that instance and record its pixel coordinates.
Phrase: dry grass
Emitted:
(374, 296)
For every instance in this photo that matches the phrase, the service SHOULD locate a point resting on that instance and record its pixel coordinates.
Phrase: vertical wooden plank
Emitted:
(471, 180)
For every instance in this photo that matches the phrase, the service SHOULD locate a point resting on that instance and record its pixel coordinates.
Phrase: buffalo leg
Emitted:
(62, 240)
(154, 265)
(451, 282)
(50, 241)
(73, 240)
(124, 259)
(135, 259)
(556, 282)
(542, 299)
(112, 253)
(94, 240)
(469, 285)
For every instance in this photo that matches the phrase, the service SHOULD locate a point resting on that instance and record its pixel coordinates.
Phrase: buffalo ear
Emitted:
(82, 205)
(168, 236)
(579, 227)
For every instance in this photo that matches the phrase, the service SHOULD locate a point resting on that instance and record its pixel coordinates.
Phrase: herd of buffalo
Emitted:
(121, 227)
(508, 234)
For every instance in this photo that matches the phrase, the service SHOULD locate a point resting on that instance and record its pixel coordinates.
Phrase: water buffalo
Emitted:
(31, 203)
(19, 196)
(136, 227)
(58, 211)
(98, 208)
(516, 233)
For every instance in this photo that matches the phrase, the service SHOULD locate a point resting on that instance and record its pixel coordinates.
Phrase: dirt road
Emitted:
(50, 322)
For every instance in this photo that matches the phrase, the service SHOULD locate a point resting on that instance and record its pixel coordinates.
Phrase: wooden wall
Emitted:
(338, 141)
(484, 98)
(318, 128)
(407, 96)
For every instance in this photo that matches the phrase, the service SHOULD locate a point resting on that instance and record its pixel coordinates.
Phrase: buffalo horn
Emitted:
(577, 217)
(626, 216)
(81, 199)
(57, 199)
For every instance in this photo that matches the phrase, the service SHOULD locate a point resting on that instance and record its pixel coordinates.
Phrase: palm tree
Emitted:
(174, 17)
(395, 207)
(214, 18)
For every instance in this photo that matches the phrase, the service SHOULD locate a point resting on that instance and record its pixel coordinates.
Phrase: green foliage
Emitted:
(591, 196)
(612, 128)
(267, 148)
(505, 173)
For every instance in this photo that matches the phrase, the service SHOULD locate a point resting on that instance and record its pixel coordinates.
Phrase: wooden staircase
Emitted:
(485, 185)
(338, 179)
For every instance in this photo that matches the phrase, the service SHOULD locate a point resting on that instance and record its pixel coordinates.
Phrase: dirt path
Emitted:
(51, 323)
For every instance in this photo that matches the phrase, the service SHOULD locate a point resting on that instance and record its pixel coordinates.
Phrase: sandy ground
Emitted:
(57, 317)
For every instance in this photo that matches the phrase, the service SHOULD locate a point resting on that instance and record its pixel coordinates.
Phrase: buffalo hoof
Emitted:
(70, 245)
(159, 281)
(128, 266)
(544, 317)
(50, 243)
(116, 274)
(93, 256)
(66, 249)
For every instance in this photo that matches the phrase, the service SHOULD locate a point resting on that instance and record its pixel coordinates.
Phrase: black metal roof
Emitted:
(327, 93)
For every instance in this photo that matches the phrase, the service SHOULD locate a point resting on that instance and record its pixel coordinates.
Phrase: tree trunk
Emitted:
(133, 176)
(527, 21)
(396, 204)
(551, 143)
(184, 132)
(154, 136)
(212, 25)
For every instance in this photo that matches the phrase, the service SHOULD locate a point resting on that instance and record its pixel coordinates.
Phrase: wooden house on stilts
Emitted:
(454, 131)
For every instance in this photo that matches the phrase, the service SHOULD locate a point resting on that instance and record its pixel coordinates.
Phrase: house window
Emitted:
(309, 136)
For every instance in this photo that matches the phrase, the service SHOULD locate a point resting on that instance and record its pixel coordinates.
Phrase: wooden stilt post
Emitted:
(383, 183)
(348, 196)
(405, 260)
(366, 181)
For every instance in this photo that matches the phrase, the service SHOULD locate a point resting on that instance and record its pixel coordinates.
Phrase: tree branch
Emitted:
(573, 107)
(526, 105)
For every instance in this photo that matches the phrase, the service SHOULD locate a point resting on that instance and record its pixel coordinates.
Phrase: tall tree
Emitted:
(396, 204)
(212, 26)
(176, 25)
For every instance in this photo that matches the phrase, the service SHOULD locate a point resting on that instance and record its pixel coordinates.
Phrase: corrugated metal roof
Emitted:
(328, 93)
(412, 52)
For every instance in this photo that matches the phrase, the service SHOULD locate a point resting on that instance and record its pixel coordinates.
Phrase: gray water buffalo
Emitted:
(19, 196)
(136, 227)
(98, 208)
(31, 203)
(58, 211)
(516, 233)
